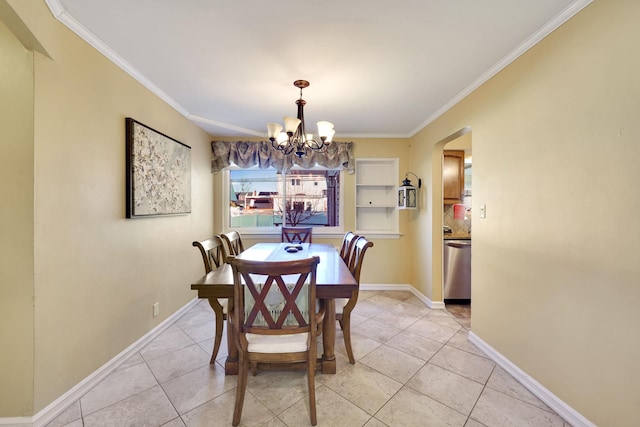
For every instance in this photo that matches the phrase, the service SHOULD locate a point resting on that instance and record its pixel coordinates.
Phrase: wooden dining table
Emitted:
(333, 280)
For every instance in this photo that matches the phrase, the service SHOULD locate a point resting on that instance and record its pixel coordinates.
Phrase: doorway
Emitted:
(452, 223)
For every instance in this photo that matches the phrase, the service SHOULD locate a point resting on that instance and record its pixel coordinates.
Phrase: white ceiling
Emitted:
(377, 68)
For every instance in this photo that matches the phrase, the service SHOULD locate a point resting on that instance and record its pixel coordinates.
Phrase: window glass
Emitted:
(262, 198)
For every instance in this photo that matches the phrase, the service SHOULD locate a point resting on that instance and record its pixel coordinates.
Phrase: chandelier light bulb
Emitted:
(291, 124)
(273, 130)
(282, 138)
(324, 128)
(329, 137)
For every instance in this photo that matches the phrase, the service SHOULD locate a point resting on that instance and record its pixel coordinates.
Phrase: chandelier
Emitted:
(294, 138)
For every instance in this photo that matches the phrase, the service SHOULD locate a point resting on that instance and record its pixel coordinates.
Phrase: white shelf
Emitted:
(376, 210)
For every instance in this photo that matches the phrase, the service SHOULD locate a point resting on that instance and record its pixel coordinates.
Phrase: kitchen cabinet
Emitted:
(452, 176)
(376, 184)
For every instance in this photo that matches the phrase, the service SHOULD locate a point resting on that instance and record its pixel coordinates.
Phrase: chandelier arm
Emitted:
(286, 149)
(316, 146)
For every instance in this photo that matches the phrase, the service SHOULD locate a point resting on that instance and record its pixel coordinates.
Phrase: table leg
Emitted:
(231, 364)
(329, 337)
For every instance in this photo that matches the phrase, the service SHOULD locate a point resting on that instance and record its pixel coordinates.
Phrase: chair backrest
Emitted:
(234, 242)
(357, 257)
(213, 252)
(296, 234)
(274, 297)
(347, 246)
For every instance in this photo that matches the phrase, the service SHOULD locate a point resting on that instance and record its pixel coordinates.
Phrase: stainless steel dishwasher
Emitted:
(457, 271)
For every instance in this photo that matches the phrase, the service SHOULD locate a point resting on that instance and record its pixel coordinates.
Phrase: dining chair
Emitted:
(213, 254)
(347, 246)
(296, 234)
(274, 319)
(344, 306)
(233, 242)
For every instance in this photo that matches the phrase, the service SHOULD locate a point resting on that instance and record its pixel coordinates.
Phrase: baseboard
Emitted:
(435, 305)
(569, 414)
(16, 421)
(55, 408)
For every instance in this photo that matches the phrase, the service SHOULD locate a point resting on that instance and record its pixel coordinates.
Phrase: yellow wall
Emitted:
(16, 226)
(95, 274)
(555, 150)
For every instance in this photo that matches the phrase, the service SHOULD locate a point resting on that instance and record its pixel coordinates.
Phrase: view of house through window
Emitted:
(264, 198)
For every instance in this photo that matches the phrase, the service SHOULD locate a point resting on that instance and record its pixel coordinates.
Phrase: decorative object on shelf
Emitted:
(408, 194)
(294, 139)
(158, 173)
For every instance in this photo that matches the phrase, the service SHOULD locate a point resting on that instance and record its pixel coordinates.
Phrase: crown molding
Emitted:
(207, 121)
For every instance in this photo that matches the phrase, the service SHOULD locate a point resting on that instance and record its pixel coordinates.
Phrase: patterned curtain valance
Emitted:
(247, 153)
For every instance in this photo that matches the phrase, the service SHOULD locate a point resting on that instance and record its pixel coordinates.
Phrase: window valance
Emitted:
(250, 153)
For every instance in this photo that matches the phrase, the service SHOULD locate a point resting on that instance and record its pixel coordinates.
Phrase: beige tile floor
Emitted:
(414, 367)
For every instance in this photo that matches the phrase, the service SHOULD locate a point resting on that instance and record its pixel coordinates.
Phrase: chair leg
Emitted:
(217, 340)
(240, 390)
(217, 309)
(311, 375)
(345, 324)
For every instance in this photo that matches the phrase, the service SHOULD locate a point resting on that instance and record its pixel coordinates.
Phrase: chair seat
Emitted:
(340, 303)
(292, 343)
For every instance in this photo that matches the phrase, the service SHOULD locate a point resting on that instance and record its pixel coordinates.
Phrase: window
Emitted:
(259, 200)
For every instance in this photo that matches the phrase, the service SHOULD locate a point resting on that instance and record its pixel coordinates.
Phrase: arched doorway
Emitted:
(460, 140)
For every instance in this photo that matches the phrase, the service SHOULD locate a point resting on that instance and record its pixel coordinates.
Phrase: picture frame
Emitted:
(158, 173)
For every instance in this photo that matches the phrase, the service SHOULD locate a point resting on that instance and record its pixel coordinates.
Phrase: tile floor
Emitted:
(414, 367)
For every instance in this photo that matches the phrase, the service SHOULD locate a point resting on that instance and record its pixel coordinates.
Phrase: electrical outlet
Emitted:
(483, 211)
(156, 309)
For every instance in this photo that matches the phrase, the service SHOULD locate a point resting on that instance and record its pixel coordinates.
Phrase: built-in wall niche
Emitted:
(376, 184)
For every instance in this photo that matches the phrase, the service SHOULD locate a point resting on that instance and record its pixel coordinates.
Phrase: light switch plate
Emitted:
(483, 211)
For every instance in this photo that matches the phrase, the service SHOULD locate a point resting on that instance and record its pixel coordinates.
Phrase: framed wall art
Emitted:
(158, 173)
